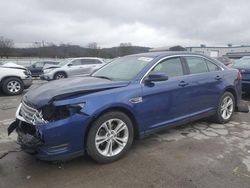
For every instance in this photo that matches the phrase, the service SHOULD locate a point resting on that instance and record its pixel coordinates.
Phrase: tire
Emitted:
(12, 86)
(219, 117)
(100, 152)
(60, 75)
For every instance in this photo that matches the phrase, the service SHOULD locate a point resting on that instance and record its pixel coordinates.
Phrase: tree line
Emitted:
(51, 50)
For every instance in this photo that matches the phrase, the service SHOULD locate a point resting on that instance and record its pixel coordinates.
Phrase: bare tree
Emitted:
(125, 44)
(6, 46)
(93, 45)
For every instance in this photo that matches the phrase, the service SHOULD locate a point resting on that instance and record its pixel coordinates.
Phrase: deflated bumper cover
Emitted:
(28, 142)
(27, 138)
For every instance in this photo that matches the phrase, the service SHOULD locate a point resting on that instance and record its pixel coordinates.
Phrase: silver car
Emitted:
(14, 78)
(72, 67)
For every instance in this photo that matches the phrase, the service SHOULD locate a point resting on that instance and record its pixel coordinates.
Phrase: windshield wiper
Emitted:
(104, 77)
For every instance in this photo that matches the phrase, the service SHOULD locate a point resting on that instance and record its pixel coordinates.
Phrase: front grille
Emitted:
(27, 112)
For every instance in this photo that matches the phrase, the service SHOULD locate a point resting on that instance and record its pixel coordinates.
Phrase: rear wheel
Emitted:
(60, 75)
(12, 86)
(225, 108)
(110, 137)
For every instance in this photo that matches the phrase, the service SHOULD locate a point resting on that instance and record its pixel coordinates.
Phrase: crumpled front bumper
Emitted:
(47, 77)
(59, 140)
(27, 138)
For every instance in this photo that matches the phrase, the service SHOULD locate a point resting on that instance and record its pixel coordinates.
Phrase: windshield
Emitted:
(64, 62)
(123, 69)
(243, 63)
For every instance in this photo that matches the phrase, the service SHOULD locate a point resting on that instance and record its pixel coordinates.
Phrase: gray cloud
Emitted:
(142, 22)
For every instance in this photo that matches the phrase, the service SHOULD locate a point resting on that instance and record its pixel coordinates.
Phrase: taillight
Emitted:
(239, 77)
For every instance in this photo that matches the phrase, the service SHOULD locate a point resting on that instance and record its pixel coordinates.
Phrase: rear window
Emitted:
(196, 65)
(211, 66)
(90, 61)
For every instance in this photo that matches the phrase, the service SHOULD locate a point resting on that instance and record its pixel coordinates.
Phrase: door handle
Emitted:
(218, 77)
(183, 84)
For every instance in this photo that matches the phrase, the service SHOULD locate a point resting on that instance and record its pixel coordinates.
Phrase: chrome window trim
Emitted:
(168, 57)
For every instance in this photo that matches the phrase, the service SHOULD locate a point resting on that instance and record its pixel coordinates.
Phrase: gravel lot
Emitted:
(200, 154)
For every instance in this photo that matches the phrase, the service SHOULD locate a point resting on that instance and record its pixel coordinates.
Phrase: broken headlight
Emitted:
(53, 113)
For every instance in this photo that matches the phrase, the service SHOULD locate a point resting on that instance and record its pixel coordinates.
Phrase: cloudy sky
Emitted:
(152, 23)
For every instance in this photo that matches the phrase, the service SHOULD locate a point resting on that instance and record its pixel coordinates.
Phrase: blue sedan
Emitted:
(131, 97)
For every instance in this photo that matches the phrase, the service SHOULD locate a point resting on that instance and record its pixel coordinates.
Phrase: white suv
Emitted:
(14, 78)
(72, 67)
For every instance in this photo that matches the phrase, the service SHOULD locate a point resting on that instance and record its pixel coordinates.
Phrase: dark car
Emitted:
(131, 97)
(36, 68)
(225, 60)
(243, 65)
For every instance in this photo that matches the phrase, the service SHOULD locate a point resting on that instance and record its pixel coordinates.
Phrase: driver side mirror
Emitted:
(70, 64)
(156, 77)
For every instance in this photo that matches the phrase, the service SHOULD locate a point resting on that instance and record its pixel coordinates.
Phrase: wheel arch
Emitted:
(60, 71)
(119, 109)
(6, 77)
(233, 91)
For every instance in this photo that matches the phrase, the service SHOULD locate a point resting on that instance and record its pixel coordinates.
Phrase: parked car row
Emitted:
(15, 78)
(36, 68)
(70, 67)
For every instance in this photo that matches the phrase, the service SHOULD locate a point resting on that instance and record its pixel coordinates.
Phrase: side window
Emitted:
(172, 67)
(48, 63)
(97, 61)
(212, 67)
(76, 62)
(196, 65)
(90, 61)
(39, 64)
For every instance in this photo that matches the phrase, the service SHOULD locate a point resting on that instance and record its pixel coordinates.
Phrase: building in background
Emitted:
(233, 52)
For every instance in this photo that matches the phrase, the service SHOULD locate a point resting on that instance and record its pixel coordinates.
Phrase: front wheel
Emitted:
(110, 137)
(12, 86)
(225, 108)
(60, 75)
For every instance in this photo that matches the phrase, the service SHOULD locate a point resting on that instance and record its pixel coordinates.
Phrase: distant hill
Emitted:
(65, 51)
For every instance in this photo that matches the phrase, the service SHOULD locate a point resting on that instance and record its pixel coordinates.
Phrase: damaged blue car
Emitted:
(100, 115)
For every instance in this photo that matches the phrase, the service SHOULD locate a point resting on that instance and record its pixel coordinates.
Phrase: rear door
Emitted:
(166, 101)
(205, 84)
(90, 65)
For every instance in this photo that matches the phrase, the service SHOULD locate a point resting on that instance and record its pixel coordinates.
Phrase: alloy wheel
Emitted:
(59, 76)
(14, 86)
(227, 107)
(112, 137)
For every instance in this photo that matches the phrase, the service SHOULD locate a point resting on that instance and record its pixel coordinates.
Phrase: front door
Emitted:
(166, 101)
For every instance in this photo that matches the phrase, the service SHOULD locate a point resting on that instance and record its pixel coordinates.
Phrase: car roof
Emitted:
(84, 58)
(165, 53)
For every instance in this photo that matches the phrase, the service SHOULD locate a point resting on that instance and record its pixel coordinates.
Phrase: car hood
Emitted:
(50, 67)
(64, 88)
(13, 66)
